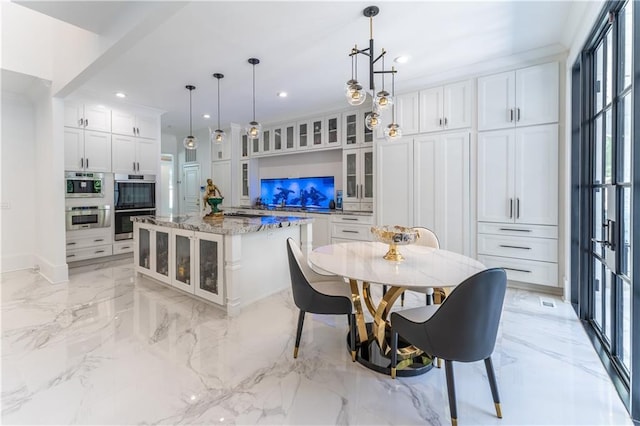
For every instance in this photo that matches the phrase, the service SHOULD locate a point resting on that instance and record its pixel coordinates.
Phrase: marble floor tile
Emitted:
(110, 347)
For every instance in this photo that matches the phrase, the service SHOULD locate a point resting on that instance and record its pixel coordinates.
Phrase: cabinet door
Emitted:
(183, 258)
(209, 262)
(536, 175)
(244, 147)
(123, 123)
(496, 176)
(367, 135)
(289, 137)
(97, 151)
(496, 101)
(303, 135)
(333, 130)
(255, 146)
(453, 193)
(73, 149)
(350, 126)
(277, 139)
(321, 229)
(537, 94)
(73, 115)
(425, 172)
(266, 141)
(147, 127)
(366, 176)
(407, 114)
(97, 117)
(350, 171)
(395, 182)
(123, 154)
(317, 136)
(143, 248)
(431, 109)
(147, 156)
(244, 180)
(162, 254)
(457, 105)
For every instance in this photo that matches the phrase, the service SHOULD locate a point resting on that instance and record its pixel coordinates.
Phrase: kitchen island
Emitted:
(232, 260)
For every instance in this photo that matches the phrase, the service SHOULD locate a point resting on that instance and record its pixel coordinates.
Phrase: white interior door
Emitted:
(191, 188)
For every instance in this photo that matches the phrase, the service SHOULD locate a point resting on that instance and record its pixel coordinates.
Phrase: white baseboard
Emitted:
(55, 274)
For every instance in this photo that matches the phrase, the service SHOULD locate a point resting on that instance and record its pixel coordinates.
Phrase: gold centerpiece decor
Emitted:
(394, 236)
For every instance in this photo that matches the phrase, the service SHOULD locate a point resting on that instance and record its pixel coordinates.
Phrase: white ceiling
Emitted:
(303, 48)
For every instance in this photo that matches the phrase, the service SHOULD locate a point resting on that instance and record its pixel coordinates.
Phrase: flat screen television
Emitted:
(306, 192)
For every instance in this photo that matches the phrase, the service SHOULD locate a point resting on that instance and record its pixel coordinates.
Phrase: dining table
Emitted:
(362, 264)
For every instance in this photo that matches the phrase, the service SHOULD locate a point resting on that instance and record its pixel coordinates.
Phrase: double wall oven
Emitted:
(134, 195)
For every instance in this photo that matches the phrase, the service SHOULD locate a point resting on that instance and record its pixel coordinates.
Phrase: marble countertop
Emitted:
(302, 210)
(225, 225)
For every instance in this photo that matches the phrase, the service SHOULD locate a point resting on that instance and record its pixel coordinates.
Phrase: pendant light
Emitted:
(218, 135)
(382, 100)
(254, 128)
(190, 142)
(393, 132)
(354, 92)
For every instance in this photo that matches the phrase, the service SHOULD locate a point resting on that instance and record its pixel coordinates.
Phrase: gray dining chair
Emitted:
(318, 294)
(462, 329)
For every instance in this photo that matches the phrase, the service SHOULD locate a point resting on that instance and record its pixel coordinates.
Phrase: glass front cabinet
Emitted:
(209, 269)
(152, 252)
(182, 245)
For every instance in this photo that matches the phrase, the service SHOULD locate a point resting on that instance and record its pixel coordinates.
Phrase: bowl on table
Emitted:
(394, 236)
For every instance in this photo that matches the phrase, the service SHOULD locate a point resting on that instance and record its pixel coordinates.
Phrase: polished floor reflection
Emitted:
(113, 348)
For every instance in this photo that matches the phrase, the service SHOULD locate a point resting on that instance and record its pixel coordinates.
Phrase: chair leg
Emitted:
(298, 333)
(402, 299)
(394, 352)
(352, 335)
(494, 386)
(448, 366)
(384, 290)
(428, 299)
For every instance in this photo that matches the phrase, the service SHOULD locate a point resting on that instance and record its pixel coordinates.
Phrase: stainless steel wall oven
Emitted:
(84, 185)
(134, 195)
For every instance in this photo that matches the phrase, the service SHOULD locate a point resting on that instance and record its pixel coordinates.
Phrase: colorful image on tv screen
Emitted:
(314, 192)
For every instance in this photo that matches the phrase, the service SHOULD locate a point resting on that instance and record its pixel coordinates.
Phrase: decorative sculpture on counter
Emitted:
(210, 198)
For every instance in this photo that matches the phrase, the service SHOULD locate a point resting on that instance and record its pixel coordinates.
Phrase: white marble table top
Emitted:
(422, 267)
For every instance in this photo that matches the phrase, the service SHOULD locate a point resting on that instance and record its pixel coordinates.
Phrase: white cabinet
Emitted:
(303, 132)
(245, 146)
(358, 177)
(289, 137)
(87, 150)
(350, 227)
(88, 244)
(333, 131)
(209, 267)
(425, 182)
(518, 175)
(408, 113)
(446, 108)
(153, 251)
(277, 136)
(356, 133)
(182, 252)
(524, 97)
(321, 229)
(126, 123)
(134, 155)
(87, 116)
(244, 183)
(318, 133)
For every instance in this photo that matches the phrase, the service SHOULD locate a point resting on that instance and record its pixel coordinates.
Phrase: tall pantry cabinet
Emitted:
(517, 173)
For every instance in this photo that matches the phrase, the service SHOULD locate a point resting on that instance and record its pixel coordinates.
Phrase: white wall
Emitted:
(17, 156)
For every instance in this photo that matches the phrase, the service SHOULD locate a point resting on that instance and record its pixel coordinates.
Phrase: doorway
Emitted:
(167, 188)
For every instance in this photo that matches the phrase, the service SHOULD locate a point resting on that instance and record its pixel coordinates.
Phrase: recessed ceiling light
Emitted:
(282, 94)
(206, 116)
(121, 95)
(401, 59)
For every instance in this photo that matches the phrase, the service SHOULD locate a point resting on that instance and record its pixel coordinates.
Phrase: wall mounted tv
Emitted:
(306, 192)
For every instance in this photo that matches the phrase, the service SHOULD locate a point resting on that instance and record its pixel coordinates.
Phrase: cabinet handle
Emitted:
(71, 255)
(510, 208)
(517, 114)
(440, 122)
(515, 230)
(138, 130)
(71, 244)
(515, 247)
(81, 163)
(445, 122)
(98, 240)
(138, 166)
(87, 162)
(517, 208)
(99, 251)
(134, 166)
(511, 115)
(349, 218)
(80, 122)
(125, 247)
(517, 270)
(134, 131)
(346, 231)
(86, 122)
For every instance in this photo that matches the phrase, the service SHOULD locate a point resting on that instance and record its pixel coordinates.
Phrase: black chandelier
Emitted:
(382, 100)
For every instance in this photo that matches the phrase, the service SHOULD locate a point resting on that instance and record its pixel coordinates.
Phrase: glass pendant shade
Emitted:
(356, 95)
(372, 120)
(253, 130)
(392, 132)
(190, 142)
(218, 136)
(383, 100)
